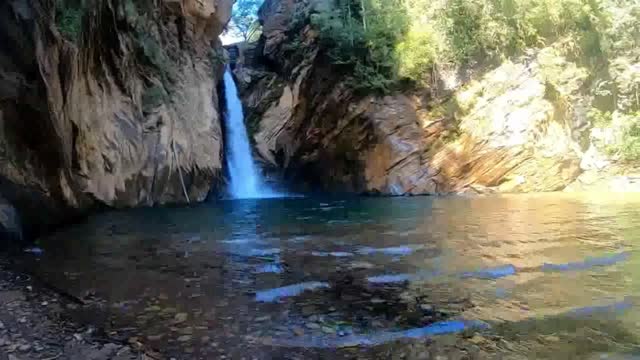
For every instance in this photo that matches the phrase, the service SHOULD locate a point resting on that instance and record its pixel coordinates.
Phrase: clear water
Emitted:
(245, 182)
(500, 277)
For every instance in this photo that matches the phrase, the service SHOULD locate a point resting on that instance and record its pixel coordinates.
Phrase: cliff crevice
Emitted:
(104, 101)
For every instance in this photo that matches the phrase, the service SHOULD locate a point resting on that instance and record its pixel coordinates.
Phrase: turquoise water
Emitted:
(535, 276)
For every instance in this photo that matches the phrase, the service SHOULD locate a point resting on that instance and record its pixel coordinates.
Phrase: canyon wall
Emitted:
(520, 126)
(107, 103)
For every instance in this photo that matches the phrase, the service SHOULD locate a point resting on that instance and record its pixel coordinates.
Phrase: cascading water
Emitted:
(245, 181)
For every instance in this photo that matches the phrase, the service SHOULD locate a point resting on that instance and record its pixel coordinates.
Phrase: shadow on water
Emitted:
(530, 276)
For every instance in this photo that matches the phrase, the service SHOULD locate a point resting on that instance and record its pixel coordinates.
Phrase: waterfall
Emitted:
(245, 180)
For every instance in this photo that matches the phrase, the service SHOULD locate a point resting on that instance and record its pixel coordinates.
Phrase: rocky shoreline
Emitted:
(34, 325)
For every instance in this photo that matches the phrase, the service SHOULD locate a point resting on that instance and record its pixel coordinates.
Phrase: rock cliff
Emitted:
(107, 103)
(517, 127)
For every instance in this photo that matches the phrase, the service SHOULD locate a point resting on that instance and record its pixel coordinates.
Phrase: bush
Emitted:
(69, 17)
(405, 39)
(153, 97)
(362, 35)
(629, 148)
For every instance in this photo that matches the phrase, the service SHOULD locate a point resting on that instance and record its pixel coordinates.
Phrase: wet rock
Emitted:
(298, 331)
(155, 337)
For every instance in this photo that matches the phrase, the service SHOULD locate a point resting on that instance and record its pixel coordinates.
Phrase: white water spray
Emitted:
(245, 180)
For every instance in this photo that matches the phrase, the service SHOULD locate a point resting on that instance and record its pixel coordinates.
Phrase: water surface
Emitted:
(535, 276)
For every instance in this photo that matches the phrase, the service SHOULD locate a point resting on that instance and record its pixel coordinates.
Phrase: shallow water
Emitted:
(536, 276)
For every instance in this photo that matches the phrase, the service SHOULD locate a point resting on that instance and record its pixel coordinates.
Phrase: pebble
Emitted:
(477, 339)
(1, 325)
(180, 318)
(312, 326)
(328, 330)
(361, 265)
(154, 337)
(25, 347)
(205, 339)
(187, 331)
(308, 310)
(426, 307)
(184, 338)
(298, 331)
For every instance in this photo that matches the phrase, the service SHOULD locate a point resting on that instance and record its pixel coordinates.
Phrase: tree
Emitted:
(244, 18)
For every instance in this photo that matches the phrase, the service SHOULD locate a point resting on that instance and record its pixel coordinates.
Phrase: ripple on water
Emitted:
(588, 263)
(269, 269)
(264, 252)
(395, 250)
(378, 338)
(332, 254)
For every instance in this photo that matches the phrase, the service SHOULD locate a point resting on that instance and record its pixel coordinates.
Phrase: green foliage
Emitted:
(152, 52)
(629, 147)
(357, 35)
(244, 21)
(600, 118)
(153, 97)
(406, 39)
(69, 15)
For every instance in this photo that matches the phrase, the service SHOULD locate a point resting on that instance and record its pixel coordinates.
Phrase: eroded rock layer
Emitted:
(518, 127)
(108, 103)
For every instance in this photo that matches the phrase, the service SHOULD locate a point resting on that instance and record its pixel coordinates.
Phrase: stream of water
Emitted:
(245, 181)
(500, 277)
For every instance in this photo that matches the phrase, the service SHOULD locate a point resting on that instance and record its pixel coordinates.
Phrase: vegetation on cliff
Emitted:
(244, 21)
(387, 44)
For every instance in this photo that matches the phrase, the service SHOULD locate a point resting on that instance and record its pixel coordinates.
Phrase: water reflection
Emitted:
(530, 276)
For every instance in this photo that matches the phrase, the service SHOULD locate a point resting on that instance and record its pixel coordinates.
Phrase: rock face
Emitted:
(515, 128)
(108, 104)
